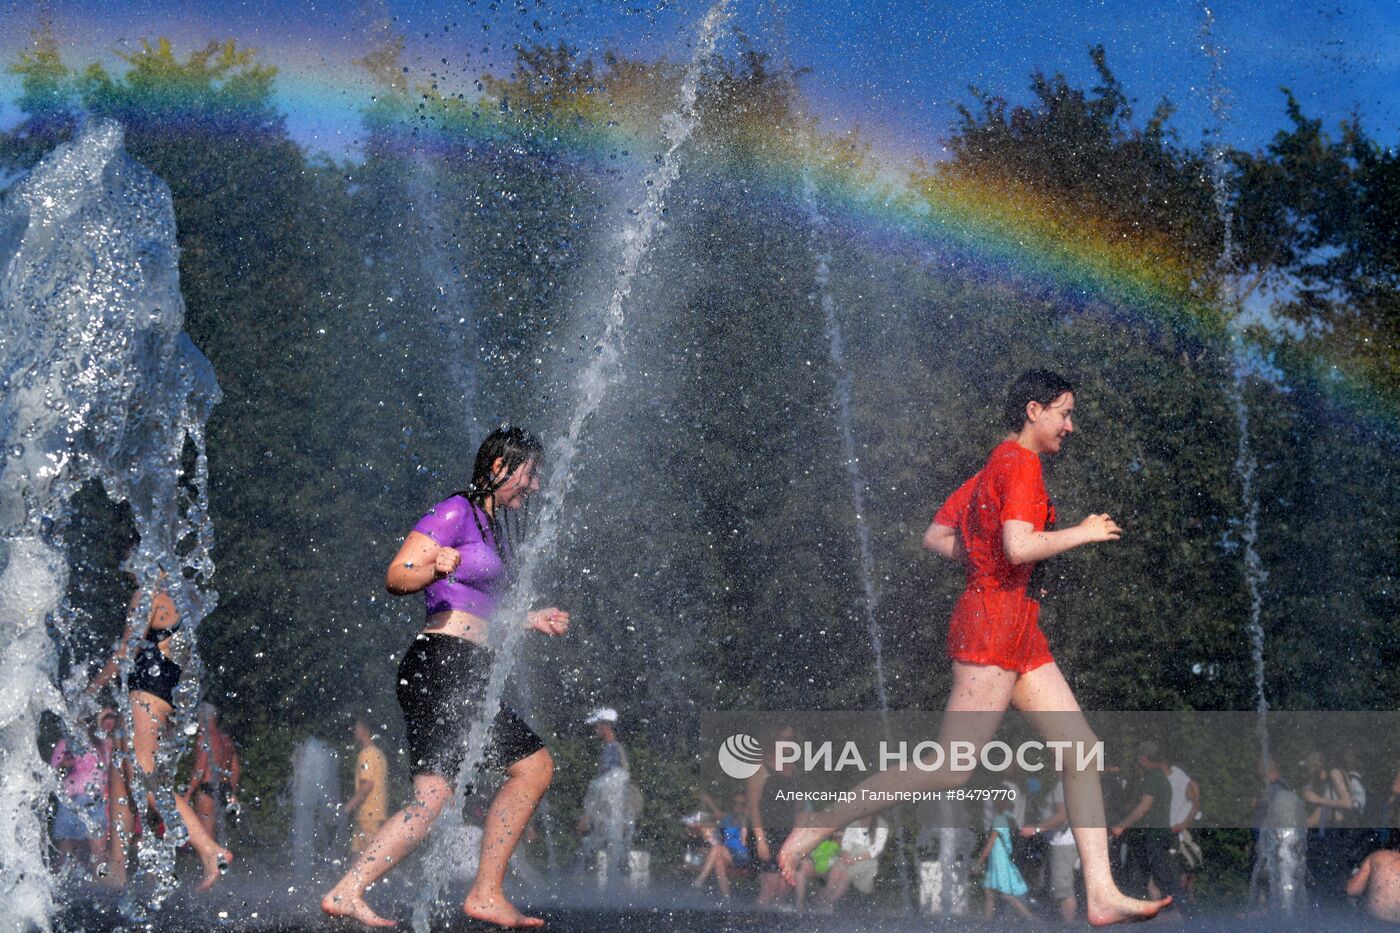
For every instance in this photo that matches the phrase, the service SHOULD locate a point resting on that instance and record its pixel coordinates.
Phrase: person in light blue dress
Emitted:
(1002, 876)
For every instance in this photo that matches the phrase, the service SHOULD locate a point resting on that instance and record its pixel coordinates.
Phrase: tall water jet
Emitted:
(317, 819)
(644, 223)
(449, 310)
(1241, 367)
(97, 382)
(821, 276)
(1281, 858)
(850, 458)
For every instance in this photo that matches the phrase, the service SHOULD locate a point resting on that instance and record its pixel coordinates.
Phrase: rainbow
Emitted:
(993, 224)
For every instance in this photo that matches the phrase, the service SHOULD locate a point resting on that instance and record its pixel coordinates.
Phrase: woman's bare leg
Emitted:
(1017, 905)
(771, 888)
(977, 688)
(838, 881)
(1048, 702)
(510, 812)
(722, 873)
(400, 835)
(120, 816)
(149, 716)
(204, 808)
(95, 847)
(708, 866)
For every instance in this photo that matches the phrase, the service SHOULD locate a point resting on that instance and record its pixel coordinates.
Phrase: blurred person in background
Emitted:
(368, 806)
(857, 862)
(217, 772)
(80, 819)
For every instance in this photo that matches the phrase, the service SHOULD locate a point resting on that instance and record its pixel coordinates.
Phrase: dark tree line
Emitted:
(369, 318)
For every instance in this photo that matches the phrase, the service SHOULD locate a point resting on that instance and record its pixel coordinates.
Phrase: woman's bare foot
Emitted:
(214, 869)
(800, 843)
(1120, 908)
(496, 909)
(350, 904)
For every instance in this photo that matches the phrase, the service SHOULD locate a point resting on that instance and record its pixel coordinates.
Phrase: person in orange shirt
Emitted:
(999, 524)
(369, 805)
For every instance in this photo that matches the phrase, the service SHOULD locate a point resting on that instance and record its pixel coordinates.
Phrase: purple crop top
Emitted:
(476, 583)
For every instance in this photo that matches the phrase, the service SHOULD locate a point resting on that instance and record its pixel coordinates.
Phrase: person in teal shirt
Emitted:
(1002, 876)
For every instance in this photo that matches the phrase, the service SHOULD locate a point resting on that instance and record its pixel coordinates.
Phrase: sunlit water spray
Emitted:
(821, 275)
(449, 308)
(1241, 368)
(603, 370)
(97, 382)
(317, 819)
(1280, 862)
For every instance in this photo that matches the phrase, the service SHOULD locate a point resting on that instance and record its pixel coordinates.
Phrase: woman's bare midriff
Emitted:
(458, 624)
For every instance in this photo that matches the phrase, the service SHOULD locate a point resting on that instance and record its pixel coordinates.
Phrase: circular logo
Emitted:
(740, 756)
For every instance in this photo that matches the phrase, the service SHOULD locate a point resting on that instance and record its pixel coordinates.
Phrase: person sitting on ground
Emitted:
(728, 842)
(1378, 881)
(858, 861)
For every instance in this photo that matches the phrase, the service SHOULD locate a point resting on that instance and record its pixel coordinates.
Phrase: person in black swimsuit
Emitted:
(151, 688)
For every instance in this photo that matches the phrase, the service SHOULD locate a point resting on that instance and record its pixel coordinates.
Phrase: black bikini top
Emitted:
(157, 635)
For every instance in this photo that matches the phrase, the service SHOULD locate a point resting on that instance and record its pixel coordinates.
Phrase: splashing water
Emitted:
(97, 382)
(821, 254)
(1246, 465)
(449, 301)
(1281, 849)
(316, 816)
(821, 257)
(645, 222)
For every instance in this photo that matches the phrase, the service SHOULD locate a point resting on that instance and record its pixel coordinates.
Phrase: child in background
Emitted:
(80, 822)
(1002, 876)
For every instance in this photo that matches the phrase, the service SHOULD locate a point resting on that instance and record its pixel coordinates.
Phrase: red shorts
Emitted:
(998, 627)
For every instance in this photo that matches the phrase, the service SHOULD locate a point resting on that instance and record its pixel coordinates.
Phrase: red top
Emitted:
(1010, 487)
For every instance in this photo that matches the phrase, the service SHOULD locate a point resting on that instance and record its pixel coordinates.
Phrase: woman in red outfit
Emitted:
(999, 525)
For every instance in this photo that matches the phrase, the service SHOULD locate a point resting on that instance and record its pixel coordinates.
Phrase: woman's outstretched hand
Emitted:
(551, 621)
(1100, 528)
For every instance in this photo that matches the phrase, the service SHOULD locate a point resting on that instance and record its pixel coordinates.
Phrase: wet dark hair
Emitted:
(515, 447)
(1035, 385)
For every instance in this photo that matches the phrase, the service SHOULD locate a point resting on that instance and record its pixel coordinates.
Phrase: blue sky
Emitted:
(893, 68)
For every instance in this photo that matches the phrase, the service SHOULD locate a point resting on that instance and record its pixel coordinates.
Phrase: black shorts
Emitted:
(442, 680)
(152, 672)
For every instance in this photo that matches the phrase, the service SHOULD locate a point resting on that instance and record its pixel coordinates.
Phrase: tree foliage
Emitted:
(369, 319)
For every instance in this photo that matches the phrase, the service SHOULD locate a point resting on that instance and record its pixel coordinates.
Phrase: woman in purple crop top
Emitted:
(457, 556)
